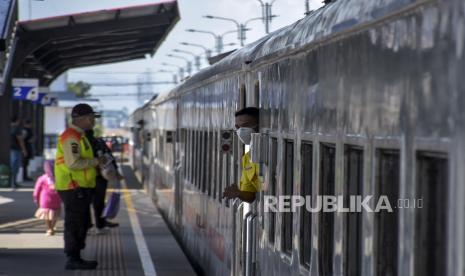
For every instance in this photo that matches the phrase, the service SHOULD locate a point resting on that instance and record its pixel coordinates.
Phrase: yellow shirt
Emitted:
(250, 181)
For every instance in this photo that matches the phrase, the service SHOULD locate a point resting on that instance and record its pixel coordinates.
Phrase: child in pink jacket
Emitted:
(47, 198)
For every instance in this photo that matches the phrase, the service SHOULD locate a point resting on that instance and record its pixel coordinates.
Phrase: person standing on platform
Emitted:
(75, 173)
(98, 204)
(17, 149)
(28, 142)
(47, 198)
(247, 120)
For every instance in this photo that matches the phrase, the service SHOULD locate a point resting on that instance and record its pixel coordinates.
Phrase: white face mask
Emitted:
(245, 134)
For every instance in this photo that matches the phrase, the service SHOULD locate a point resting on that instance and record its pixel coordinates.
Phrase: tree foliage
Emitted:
(80, 88)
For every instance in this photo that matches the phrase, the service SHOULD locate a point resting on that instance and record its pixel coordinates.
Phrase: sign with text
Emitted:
(44, 96)
(25, 89)
(49, 100)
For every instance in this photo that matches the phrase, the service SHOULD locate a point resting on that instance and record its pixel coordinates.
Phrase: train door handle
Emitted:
(247, 242)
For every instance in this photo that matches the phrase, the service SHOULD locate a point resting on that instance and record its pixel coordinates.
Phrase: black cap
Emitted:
(82, 110)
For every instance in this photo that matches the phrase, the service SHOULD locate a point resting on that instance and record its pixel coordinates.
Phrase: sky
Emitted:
(192, 12)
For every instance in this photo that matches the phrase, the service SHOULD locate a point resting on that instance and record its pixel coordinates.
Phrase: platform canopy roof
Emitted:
(45, 48)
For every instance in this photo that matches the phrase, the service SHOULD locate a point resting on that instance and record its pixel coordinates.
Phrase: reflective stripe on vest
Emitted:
(66, 179)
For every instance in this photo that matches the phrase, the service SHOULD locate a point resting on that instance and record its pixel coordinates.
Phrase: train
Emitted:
(360, 97)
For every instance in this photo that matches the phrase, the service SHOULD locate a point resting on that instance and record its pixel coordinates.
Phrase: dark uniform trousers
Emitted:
(99, 200)
(77, 219)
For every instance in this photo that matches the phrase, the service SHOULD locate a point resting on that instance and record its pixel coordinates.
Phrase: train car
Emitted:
(360, 97)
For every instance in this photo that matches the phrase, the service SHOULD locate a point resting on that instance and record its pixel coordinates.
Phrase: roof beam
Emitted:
(98, 27)
(58, 63)
(105, 38)
(94, 51)
(83, 51)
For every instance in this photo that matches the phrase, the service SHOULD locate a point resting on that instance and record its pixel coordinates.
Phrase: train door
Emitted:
(245, 215)
(180, 141)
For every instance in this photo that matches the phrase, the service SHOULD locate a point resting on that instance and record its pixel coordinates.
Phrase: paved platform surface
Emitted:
(142, 245)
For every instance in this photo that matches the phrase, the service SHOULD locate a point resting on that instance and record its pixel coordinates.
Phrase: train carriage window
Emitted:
(147, 140)
(209, 165)
(197, 159)
(183, 145)
(215, 164)
(305, 215)
(386, 229)
(227, 170)
(236, 163)
(272, 189)
(326, 229)
(205, 162)
(190, 144)
(288, 182)
(242, 97)
(219, 177)
(353, 188)
(220, 170)
(186, 154)
(431, 219)
(161, 147)
(192, 156)
(257, 93)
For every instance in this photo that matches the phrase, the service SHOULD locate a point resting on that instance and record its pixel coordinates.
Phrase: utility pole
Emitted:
(197, 61)
(267, 14)
(175, 77)
(307, 7)
(218, 38)
(208, 52)
(241, 27)
(181, 69)
(188, 62)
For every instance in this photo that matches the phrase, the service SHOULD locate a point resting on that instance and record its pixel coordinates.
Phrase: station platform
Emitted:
(141, 245)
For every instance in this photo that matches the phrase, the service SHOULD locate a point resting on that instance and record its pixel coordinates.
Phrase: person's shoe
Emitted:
(49, 233)
(80, 264)
(94, 263)
(101, 231)
(110, 224)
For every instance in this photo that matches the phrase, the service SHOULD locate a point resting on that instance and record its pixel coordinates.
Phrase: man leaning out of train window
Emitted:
(246, 123)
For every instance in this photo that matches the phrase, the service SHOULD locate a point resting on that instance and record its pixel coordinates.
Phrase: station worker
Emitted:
(75, 173)
(247, 120)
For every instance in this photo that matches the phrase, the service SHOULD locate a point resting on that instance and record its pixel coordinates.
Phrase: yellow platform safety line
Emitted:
(144, 254)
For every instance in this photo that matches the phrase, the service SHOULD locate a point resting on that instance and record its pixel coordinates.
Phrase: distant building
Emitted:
(113, 119)
(56, 118)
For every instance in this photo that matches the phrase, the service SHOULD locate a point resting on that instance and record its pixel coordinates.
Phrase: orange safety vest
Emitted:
(67, 179)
